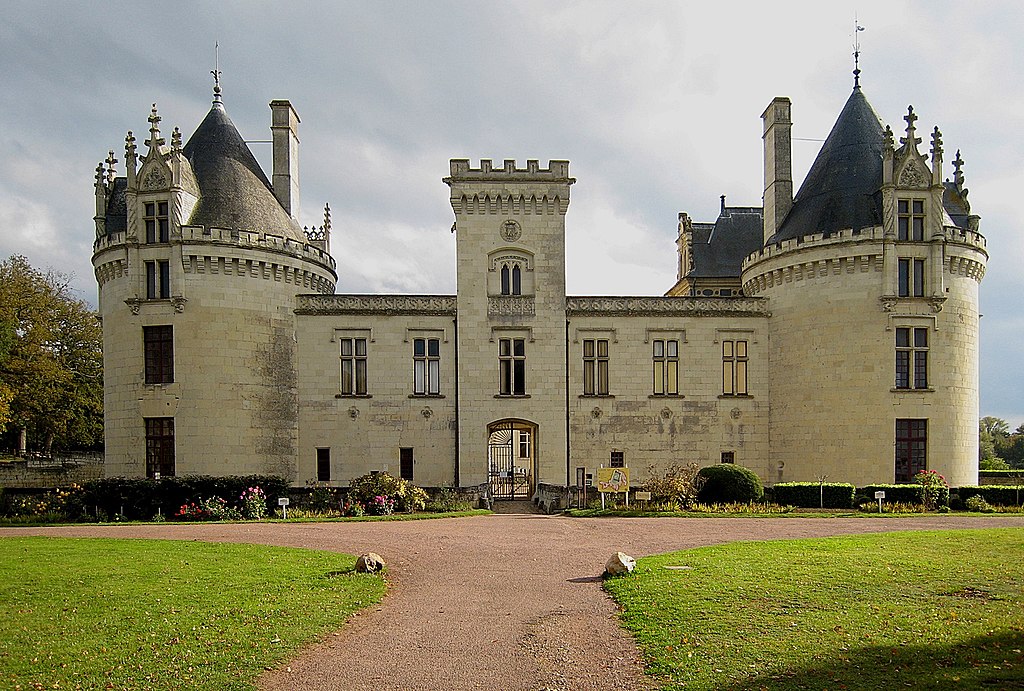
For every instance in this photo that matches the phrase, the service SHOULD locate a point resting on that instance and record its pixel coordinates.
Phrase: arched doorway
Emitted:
(511, 446)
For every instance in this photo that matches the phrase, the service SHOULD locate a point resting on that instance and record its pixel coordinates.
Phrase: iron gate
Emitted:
(505, 479)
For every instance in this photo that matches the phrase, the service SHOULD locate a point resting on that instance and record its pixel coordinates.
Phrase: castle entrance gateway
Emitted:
(510, 459)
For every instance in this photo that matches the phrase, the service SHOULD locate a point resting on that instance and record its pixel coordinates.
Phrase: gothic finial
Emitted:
(216, 75)
(110, 166)
(129, 147)
(327, 217)
(889, 141)
(100, 172)
(936, 143)
(910, 139)
(155, 140)
(857, 28)
(176, 140)
(958, 173)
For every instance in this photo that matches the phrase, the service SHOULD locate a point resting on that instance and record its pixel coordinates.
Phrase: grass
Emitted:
(302, 517)
(156, 614)
(917, 609)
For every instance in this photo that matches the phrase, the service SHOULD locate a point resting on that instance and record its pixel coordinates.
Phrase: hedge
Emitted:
(726, 483)
(907, 493)
(997, 495)
(834, 495)
(1015, 474)
(139, 498)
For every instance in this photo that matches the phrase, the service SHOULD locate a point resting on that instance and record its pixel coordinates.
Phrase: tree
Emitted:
(994, 426)
(51, 365)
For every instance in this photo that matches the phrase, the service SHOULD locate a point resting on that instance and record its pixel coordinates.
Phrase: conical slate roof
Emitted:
(843, 187)
(234, 191)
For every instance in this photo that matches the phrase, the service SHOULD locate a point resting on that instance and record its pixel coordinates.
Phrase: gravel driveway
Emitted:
(494, 602)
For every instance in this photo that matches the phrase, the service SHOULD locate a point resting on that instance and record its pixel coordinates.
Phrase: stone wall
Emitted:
(49, 474)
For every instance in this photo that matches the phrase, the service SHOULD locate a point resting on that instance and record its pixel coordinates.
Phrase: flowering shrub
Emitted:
(253, 504)
(977, 503)
(192, 511)
(404, 495)
(934, 489)
(382, 506)
(353, 509)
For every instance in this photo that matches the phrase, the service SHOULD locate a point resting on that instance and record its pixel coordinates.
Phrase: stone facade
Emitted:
(792, 361)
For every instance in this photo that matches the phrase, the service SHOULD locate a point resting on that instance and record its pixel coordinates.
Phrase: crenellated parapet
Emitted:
(461, 171)
(509, 190)
(612, 306)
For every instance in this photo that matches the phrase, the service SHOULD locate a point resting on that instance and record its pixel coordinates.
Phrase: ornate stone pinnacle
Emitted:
(936, 143)
(100, 173)
(910, 139)
(327, 217)
(958, 173)
(155, 141)
(110, 166)
(889, 140)
(129, 146)
(176, 139)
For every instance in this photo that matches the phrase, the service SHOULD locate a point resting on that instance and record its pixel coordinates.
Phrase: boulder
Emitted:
(620, 564)
(371, 562)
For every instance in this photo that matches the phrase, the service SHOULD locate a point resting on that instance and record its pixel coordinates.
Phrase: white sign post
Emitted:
(879, 496)
(283, 503)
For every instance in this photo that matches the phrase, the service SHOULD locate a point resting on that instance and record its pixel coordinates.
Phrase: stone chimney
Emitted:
(778, 164)
(284, 127)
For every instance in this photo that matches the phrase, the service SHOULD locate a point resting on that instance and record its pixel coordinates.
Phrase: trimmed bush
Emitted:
(907, 494)
(1015, 474)
(727, 483)
(996, 495)
(812, 495)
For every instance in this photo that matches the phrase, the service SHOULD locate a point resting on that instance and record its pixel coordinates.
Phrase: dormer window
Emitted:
(910, 219)
(156, 222)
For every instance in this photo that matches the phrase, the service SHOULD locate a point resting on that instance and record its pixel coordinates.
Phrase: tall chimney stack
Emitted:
(778, 164)
(284, 126)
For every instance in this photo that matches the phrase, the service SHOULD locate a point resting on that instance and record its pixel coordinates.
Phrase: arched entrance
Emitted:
(511, 445)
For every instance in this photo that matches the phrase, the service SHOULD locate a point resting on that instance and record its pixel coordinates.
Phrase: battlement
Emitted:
(557, 171)
(844, 236)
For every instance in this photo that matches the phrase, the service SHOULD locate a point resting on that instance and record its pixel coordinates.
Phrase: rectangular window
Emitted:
(155, 218)
(618, 459)
(159, 446)
(158, 352)
(911, 358)
(728, 457)
(911, 277)
(158, 280)
(524, 444)
(910, 219)
(353, 366)
(323, 465)
(426, 353)
(512, 366)
(405, 463)
(911, 448)
(595, 367)
(666, 368)
(734, 368)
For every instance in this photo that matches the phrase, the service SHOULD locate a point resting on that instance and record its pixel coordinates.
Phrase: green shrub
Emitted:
(677, 487)
(404, 495)
(139, 498)
(446, 501)
(727, 483)
(813, 495)
(976, 502)
(906, 494)
(995, 495)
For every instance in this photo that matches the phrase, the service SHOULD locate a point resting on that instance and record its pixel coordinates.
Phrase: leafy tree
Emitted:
(994, 426)
(51, 367)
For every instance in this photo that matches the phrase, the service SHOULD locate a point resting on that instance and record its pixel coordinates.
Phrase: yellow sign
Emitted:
(613, 479)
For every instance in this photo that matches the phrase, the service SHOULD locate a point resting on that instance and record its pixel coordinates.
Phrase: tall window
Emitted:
(666, 368)
(405, 463)
(323, 465)
(155, 219)
(595, 367)
(511, 279)
(734, 368)
(353, 366)
(158, 280)
(158, 351)
(524, 444)
(426, 354)
(159, 446)
(911, 278)
(512, 366)
(911, 358)
(618, 459)
(911, 448)
(910, 219)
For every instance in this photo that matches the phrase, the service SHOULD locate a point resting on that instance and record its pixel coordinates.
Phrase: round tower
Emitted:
(872, 273)
(198, 262)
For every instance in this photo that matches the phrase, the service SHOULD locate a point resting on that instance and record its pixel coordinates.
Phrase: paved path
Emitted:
(494, 602)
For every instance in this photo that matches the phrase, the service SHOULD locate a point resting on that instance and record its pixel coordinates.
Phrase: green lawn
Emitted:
(940, 609)
(156, 614)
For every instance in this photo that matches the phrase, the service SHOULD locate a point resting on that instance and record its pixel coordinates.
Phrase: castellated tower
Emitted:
(199, 259)
(872, 276)
(511, 315)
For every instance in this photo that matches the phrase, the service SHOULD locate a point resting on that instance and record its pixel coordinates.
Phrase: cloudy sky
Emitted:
(656, 104)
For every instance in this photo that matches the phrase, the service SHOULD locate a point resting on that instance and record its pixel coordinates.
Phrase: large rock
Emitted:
(620, 564)
(371, 562)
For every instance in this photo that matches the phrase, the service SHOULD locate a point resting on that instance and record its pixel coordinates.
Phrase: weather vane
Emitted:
(857, 28)
(216, 72)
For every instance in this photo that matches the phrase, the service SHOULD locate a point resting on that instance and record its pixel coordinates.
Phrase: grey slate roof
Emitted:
(954, 201)
(117, 208)
(842, 188)
(719, 252)
(234, 191)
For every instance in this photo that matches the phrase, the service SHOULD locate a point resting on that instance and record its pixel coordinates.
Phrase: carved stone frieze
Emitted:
(911, 176)
(432, 305)
(511, 305)
(154, 180)
(668, 306)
